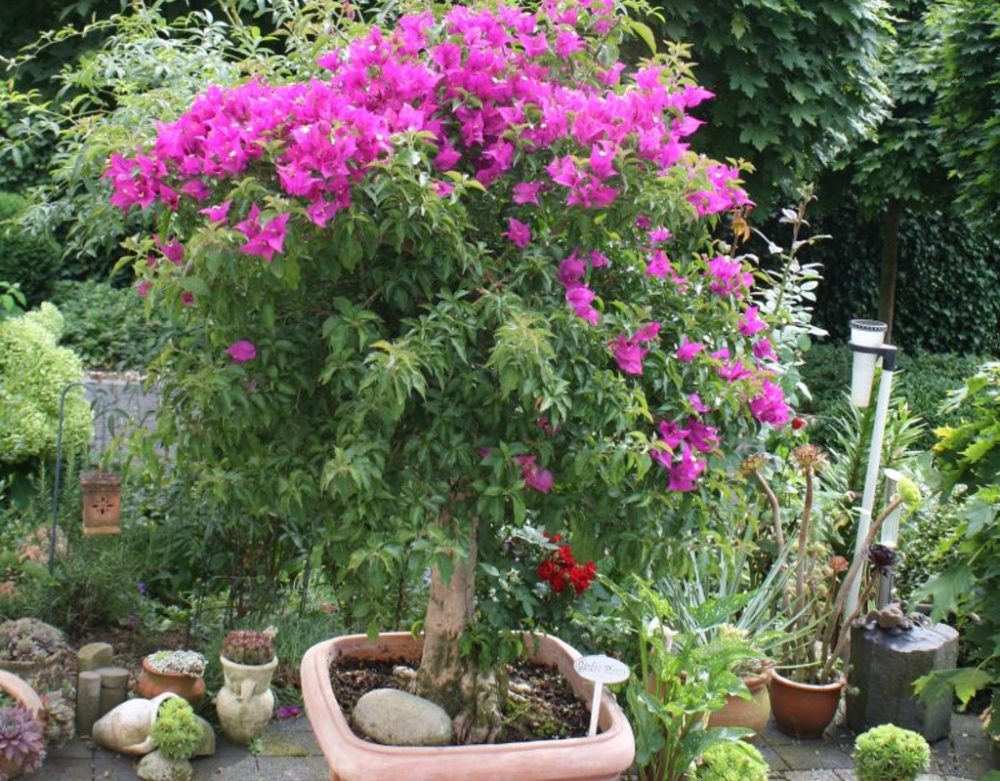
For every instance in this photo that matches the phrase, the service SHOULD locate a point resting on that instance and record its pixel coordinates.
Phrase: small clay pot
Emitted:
(152, 683)
(751, 714)
(804, 710)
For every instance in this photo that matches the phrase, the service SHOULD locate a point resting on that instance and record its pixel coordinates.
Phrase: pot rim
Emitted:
(150, 669)
(832, 686)
(256, 667)
(346, 753)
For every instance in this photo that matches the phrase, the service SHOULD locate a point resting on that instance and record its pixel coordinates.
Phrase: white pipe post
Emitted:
(871, 479)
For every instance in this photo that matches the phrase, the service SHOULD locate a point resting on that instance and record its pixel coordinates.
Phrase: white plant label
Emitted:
(601, 670)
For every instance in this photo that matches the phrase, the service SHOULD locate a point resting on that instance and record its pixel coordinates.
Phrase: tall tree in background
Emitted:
(967, 56)
(798, 82)
(900, 170)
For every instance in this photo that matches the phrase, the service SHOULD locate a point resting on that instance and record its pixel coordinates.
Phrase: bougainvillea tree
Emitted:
(460, 281)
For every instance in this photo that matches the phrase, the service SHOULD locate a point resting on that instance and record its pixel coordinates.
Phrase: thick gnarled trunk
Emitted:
(472, 697)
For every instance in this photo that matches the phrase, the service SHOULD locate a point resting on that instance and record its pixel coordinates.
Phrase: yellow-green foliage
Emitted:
(732, 762)
(33, 372)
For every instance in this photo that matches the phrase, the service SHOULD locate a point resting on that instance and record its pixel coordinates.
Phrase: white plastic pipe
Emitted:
(864, 333)
(871, 480)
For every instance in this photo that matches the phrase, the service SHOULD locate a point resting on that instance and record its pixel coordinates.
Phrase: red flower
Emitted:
(798, 423)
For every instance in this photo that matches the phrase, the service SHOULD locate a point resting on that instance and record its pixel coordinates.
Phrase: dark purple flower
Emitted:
(882, 556)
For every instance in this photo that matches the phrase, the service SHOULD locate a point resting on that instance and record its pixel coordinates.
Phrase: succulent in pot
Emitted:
(22, 746)
(890, 753)
(33, 650)
(177, 735)
(179, 672)
(249, 646)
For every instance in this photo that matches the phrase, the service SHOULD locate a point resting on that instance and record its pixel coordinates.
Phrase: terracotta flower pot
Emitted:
(152, 683)
(600, 758)
(753, 713)
(804, 710)
(102, 502)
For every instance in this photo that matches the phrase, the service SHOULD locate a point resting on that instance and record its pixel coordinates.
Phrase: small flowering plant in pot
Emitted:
(476, 256)
(34, 651)
(22, 745)
(179, 671)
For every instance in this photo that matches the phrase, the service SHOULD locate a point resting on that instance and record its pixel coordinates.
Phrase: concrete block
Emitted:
(88, 701)
(884, 666)
(94, 655)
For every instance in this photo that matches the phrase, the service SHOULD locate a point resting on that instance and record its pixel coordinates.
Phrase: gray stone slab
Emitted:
(288, 744)
(226, 768)
(63, 770)
(812, 775)
(814, 755)
(772, 757)
(302, 769)
(74, 749)
(113, 767)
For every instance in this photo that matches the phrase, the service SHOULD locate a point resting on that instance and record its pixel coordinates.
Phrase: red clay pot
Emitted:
(804, 710)
(754, 713)
(152, 683)
(603, 757)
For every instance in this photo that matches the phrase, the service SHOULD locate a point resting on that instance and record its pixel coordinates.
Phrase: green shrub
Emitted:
(924, 381)
(31, 261)
(732, 762)
(34, 370)
(106, 325)
(176, 730)
(890, 753)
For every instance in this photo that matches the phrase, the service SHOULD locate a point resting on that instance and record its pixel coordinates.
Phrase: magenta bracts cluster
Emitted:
(482, 87)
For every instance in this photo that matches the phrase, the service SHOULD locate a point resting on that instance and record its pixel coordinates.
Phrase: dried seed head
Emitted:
(809, 457)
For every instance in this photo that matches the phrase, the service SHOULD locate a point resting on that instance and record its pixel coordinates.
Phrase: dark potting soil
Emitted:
(540, 703)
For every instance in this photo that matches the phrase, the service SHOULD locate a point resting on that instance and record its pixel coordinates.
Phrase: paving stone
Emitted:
(288, 744)
(774, 737)
(113, 767)
(303, 769)
(772, 757)
(74, 749)
(226, 768)
(814, 755)
(812, 775)
(64, 770)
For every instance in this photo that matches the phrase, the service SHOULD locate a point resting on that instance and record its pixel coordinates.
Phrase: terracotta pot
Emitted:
(754, 713)
(804, 710)
(46, 674)
(245, 703)
(152, 683)
(102, 502)
(603, 757)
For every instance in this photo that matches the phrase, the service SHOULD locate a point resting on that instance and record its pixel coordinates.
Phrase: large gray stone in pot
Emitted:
(884, 666)
(396, 718)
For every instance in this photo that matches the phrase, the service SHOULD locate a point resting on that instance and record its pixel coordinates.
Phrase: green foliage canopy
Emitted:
(797, 82)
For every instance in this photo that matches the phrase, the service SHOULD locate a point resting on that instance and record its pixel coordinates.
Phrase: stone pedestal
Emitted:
(94, 656)
(114, 687)
(88, 701)
(884, 666)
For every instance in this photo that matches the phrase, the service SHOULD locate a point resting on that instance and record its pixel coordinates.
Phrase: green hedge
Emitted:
(923, 380)
(32, 261)
(106, 326)
(948, 289)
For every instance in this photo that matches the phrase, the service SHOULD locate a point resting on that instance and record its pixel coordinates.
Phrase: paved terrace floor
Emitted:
(289, 753)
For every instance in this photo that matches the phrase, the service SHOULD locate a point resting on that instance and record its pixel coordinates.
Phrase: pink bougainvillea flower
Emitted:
(142, 288)
(701, 435)
(672, 434)
(734, 371)
(750, 322)
(534, 477)
(242, 351)
(770, 406)
(568, 42)
(628, 352)
(697, 404)
(602, 159)
(288, 711)
(269, 240)
(658, 264)
(728, 276)
(527, 192)
(217, 213)
(173, 251)
(660, 235)
(685, 472)
(688, 350)
(250, 227)
(764, 350)
(598, 259)
(579, 298)
(518, 233)
(443, 189)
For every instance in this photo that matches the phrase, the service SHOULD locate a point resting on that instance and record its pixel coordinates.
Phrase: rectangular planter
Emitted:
(603, 757)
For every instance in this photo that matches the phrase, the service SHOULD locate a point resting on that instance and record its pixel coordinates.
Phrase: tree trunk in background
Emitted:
(890, 266)
(472, 697)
